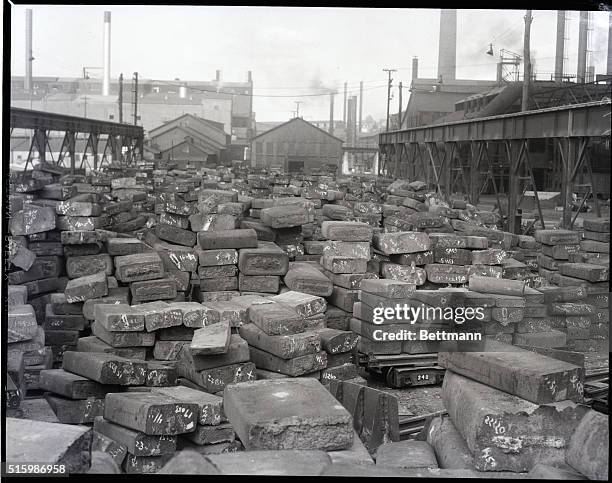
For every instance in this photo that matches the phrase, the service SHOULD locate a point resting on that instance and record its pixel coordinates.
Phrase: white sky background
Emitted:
(290, 51)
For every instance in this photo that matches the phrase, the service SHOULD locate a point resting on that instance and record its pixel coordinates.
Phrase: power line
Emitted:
(468, 65)
(310, 87)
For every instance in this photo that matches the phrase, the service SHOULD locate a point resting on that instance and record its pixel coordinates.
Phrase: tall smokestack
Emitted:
(415, 68)
(590, 77)
(27, 81)
(447, 54)
(609, 66)
(351, 121)
(360, 105)
(107, 53)
(344, 109)
(331, 113)
(582, 46)
(560, 52)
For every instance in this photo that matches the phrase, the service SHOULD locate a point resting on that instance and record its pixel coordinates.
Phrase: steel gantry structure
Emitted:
(445, 154)
(122, 142)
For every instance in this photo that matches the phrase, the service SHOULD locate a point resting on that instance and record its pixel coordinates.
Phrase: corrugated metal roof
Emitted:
(219, 126)
(305, 122)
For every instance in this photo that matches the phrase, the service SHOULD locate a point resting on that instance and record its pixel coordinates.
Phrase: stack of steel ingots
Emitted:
(159, 292)
(505, 395)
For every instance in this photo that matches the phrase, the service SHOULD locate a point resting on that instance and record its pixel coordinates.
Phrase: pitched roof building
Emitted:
(296, 145)
(190, 138)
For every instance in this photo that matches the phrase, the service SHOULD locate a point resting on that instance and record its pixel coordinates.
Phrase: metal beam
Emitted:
(577, 120)
(28, 119)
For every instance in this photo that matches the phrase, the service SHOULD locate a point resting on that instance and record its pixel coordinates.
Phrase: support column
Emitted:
(571, 156)
(445, 172)
(72, 150)
(515, 185)
(40, 135)
(474, 177)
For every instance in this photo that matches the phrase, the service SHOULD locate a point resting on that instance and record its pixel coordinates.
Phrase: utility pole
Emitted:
(120, 99)
(526, 62)
(135, 90)
(85, 106)
(399, 114)
(388, 71)
(297, 103)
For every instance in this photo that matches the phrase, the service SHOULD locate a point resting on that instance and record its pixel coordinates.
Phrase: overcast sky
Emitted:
(290, 51)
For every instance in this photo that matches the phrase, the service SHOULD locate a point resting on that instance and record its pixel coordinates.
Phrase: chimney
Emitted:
(582, 46)
(351, 122)
(107, 52)
(331, 113)
(590, 74)
(344, 107)
(249, 77)
(360, 105)
(609, 66)
(447, 54)
(559, 54)
(27, 81)
(415, 68)
(218, 75)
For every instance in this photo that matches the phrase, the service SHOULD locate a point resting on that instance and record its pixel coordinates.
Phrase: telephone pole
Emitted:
(526, 62)
(399, 114)
(297, 111)
(135, 82)
(120, 99)
(388, 71)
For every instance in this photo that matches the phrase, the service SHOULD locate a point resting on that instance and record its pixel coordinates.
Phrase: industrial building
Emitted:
(296, 145)
(190, 139)
(141, 101)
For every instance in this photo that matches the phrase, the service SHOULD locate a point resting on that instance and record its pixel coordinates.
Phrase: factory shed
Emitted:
(189, 139)
(295, 146)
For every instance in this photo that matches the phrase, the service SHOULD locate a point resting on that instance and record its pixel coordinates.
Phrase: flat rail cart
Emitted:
(404, 370)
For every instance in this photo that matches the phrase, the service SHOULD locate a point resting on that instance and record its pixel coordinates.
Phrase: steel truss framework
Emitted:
(122, 142)
(571, 93)
(470, 153)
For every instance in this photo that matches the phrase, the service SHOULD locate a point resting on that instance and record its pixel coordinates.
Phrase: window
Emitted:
(269, 148)
(259, 147)
(292, 148)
